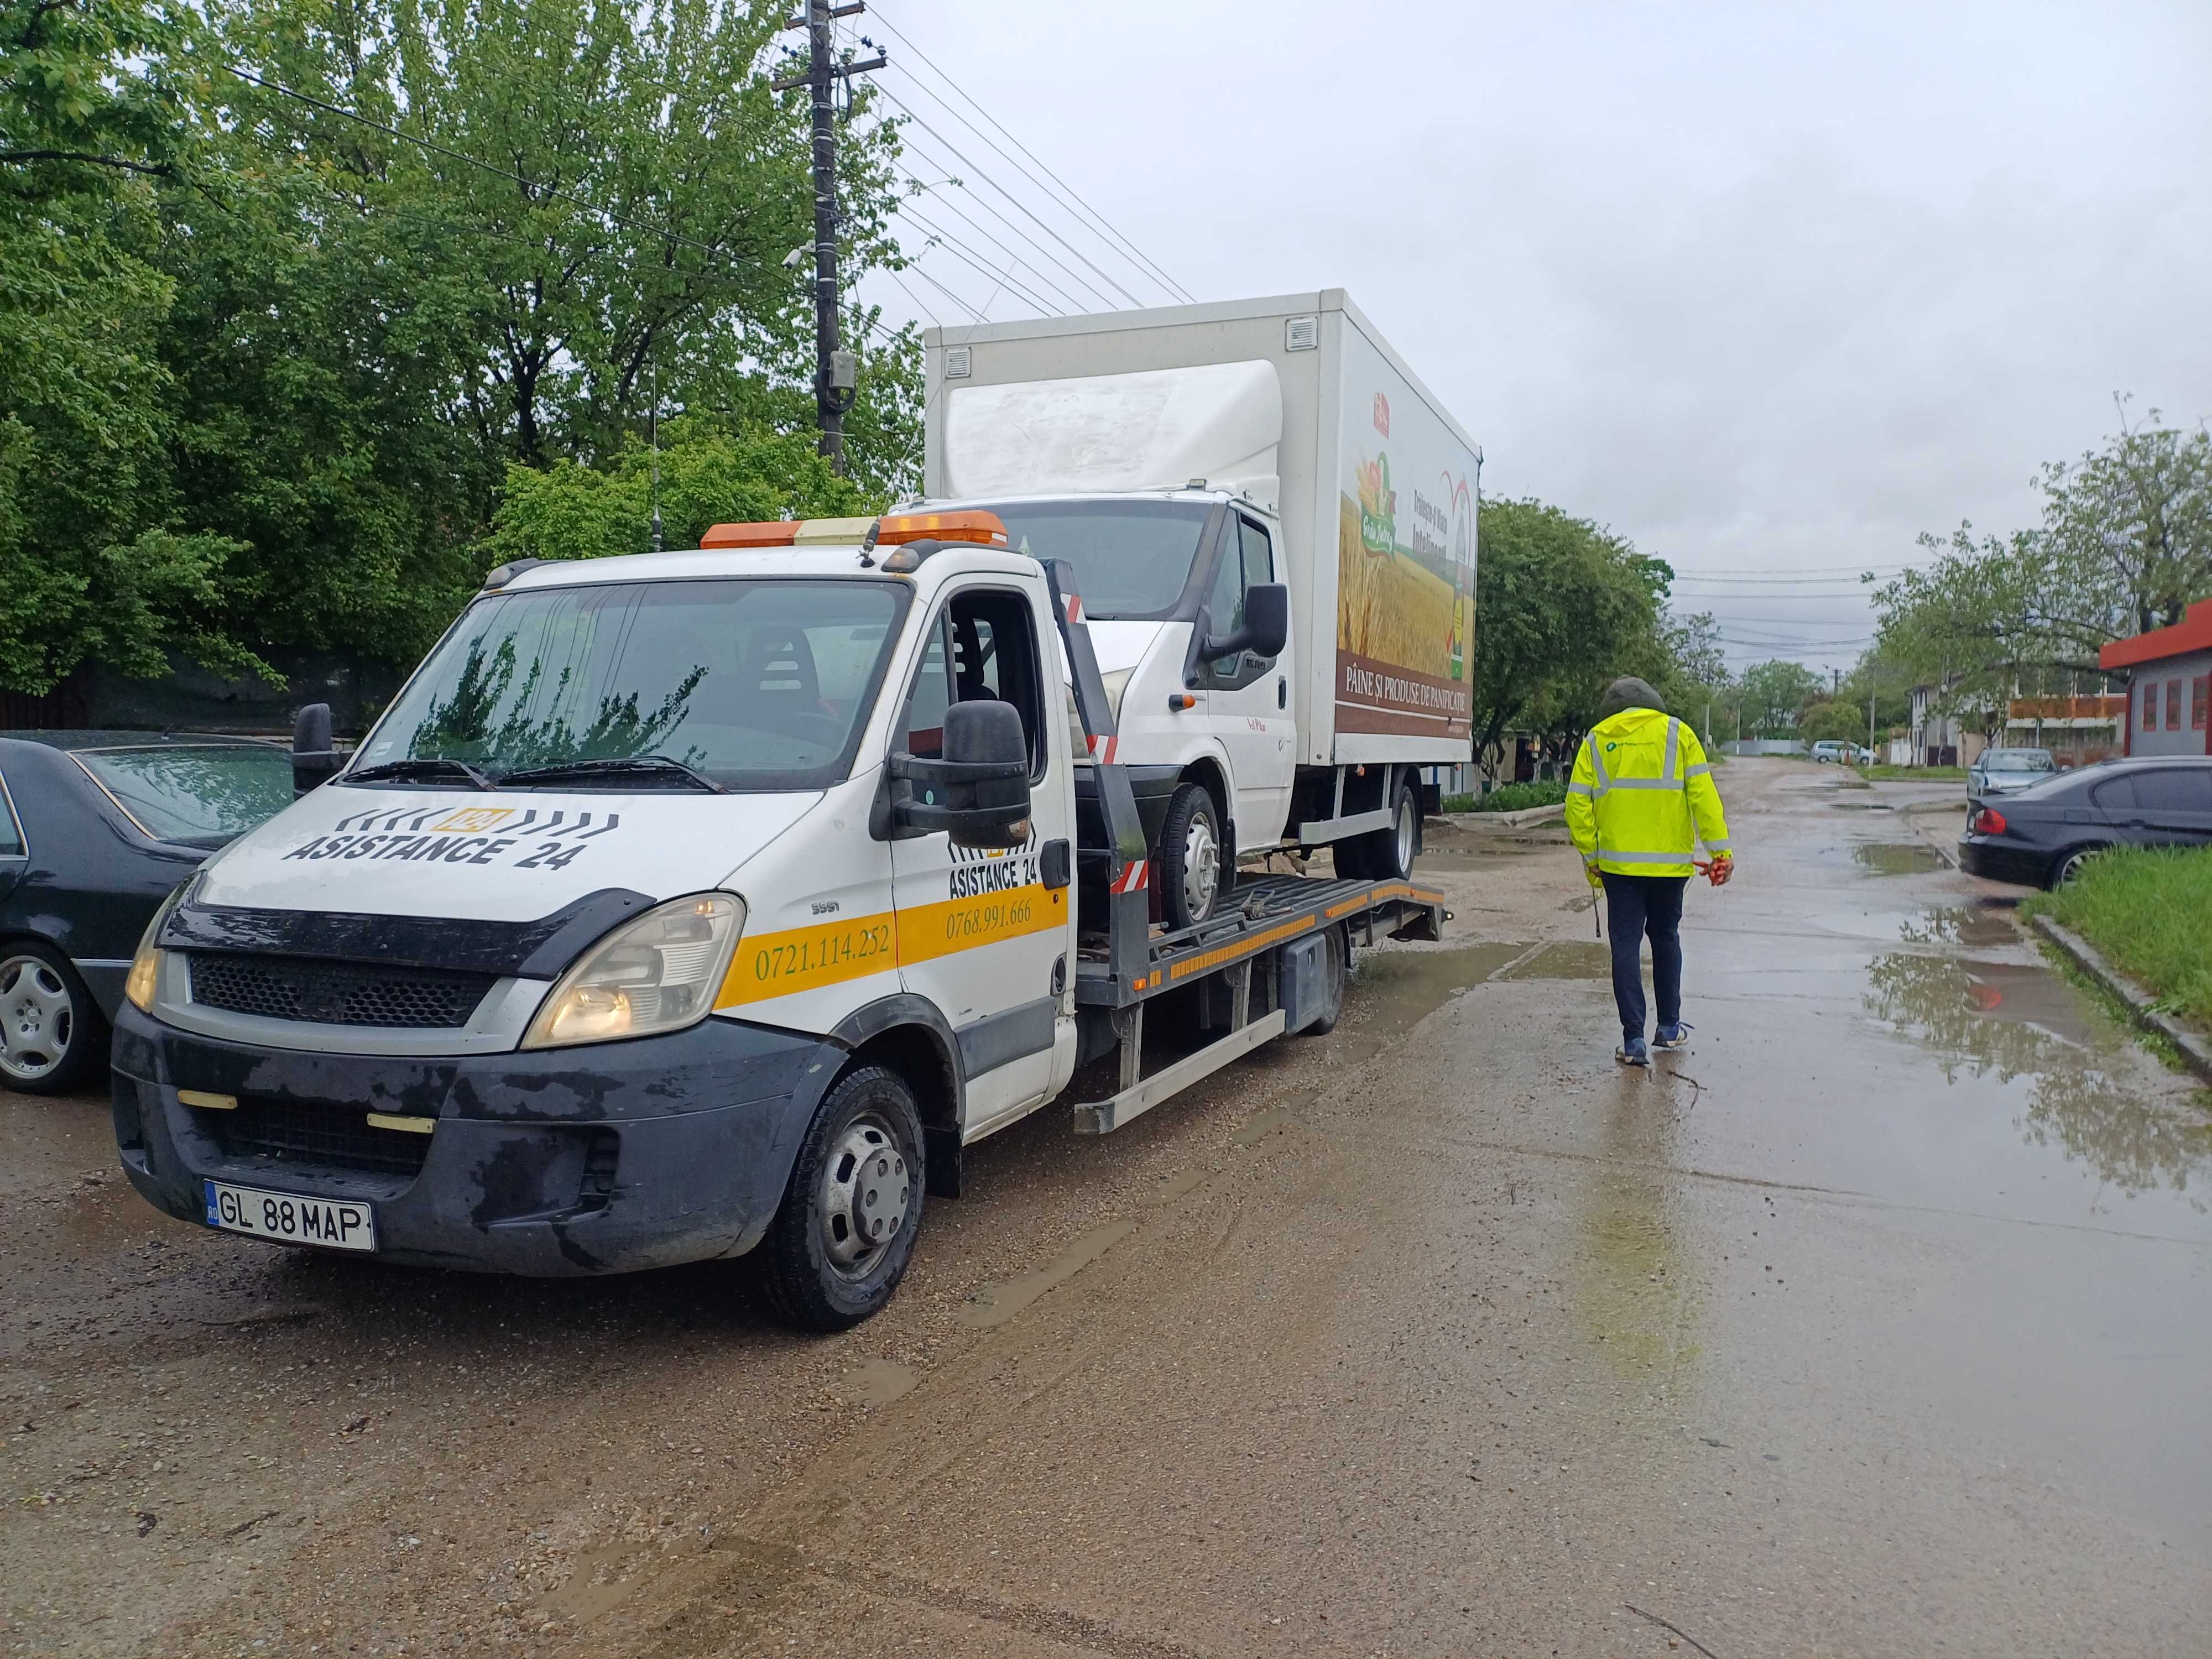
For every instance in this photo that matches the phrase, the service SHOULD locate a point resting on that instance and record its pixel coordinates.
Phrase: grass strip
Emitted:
(2148, 911)
(1908, 773)
(1513, 797)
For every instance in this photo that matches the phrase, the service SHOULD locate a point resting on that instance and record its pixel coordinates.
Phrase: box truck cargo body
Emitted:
(1181, 457)
(1295, 403)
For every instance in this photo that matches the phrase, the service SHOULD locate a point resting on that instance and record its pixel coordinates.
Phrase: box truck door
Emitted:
(980, 934)
(1248, 697)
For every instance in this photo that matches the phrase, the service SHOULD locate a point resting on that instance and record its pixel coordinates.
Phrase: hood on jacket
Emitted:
(1625, 693)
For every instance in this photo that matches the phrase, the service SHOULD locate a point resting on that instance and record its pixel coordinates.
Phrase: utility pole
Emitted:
(836, 372)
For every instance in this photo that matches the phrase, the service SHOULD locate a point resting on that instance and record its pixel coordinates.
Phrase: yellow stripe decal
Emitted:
(1242, 948)
(807, 958)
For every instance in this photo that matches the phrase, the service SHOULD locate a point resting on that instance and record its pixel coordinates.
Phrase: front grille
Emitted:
(332, 1137)
(336, 993)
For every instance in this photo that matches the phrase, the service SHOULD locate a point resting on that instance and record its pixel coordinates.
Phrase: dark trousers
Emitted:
(1636, 906)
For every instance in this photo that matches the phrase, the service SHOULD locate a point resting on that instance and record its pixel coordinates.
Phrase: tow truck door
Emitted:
(979, 933)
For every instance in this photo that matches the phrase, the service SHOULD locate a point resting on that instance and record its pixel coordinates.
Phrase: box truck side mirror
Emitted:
(313, 760)
(979, 793)
(1267, 627)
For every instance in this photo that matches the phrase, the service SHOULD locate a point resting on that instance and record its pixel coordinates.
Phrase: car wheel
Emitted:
(1190, 856)
(841, 1242)
(2071, 864)
(51, 1035)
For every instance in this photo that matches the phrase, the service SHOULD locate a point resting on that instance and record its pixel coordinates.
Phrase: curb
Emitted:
(2196, 1050)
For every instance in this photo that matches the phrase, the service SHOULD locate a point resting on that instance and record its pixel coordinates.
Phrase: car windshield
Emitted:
(1131, 559)
(757, 684)
(2017, 760)
(198, 795)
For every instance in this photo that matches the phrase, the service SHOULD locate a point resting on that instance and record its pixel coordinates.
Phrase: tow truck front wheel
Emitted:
(842, 1241)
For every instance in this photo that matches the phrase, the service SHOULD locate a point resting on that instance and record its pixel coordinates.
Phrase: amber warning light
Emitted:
(983, 529)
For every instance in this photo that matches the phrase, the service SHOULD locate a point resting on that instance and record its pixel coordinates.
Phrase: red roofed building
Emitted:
(2170, 684)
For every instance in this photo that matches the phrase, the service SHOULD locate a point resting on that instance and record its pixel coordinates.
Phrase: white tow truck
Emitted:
(695, 904)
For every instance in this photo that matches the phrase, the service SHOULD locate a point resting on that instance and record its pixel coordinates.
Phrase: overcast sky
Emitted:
(1767, 289)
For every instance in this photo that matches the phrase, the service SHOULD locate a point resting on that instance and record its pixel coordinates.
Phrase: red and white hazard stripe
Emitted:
(1074, 607)
(1132, 878)
(1102, 750)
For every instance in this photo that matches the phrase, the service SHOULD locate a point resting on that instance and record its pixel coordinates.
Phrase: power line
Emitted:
(950, 205)
(1010, 197)
(1143, 260)
(961, 253)
(1059, 264)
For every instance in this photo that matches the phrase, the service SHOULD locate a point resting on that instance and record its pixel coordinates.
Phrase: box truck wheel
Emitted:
(839, 1243)
(1387, 854)
(1190, 856)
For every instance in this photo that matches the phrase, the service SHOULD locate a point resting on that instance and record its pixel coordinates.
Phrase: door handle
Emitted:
(1054, 864)
(1282, 692)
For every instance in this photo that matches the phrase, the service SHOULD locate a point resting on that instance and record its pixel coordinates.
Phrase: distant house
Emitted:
(2169, 673)
(1933, 739)
(2077, 731)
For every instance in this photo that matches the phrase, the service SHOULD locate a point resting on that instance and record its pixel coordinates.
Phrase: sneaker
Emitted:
(1632, 1053)
(1668, 1037)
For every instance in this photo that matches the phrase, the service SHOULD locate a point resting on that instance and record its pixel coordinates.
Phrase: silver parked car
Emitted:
(2007, 771)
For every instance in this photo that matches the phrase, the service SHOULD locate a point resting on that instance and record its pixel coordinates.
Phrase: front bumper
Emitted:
(606, 1159)
(1993, 861)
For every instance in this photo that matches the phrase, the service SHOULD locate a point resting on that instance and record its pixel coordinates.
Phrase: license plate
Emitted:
(334, 1223)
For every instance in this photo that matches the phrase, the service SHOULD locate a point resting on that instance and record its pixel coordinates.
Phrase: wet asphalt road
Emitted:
(1877, 1324)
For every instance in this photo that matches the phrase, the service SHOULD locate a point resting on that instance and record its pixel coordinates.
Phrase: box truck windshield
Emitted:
(750, 684)
(1132, 558)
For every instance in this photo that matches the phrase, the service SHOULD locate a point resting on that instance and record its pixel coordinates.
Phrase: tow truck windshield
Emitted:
(1131, 559)
(738, 684)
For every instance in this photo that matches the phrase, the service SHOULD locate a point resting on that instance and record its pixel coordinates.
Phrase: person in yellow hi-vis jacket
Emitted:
(1641, 799)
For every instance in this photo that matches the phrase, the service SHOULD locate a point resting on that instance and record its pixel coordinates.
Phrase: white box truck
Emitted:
(1186, 461)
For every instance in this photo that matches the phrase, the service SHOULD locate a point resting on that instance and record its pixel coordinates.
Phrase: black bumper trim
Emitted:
(705, 1125)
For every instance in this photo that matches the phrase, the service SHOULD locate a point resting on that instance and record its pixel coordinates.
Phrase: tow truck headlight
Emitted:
(659, 973)
(144, 979)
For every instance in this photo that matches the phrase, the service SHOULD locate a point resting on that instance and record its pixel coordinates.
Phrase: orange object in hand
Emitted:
(1715, 871)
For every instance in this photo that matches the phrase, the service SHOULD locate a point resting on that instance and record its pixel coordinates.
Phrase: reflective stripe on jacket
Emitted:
(1642, 796)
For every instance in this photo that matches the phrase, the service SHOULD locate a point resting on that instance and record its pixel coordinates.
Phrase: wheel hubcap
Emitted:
(1406, 829)
(36, 1018)
(1201, 859)
(867, 1189)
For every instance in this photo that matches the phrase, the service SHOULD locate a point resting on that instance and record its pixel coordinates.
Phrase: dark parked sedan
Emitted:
(96, 828)
(2040, 836)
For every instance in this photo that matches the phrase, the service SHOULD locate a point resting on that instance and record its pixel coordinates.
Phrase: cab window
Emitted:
(982, 647)
(1247, 561)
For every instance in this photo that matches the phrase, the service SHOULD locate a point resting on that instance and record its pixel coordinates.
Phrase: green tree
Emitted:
(2125, 545)
(95, 557)
(1562, 607)
(708, 477)
(1772, 692)
(1832, 719)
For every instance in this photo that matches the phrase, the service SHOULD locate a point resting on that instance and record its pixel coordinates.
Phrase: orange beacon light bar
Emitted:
(983, 529)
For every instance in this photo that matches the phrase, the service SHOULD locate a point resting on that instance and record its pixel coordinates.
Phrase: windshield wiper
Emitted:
(423, 766)
(615, 766)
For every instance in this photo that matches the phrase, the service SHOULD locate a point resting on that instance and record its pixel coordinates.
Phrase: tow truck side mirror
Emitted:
(313, 760)
(979, 793)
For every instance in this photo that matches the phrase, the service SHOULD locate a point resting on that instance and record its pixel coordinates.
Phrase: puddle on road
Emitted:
(2021, 1025)
(1566, 960)
(1977, 927)
(1897, 858)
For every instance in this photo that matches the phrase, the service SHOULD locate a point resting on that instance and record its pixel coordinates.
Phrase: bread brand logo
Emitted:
(1382, 414)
